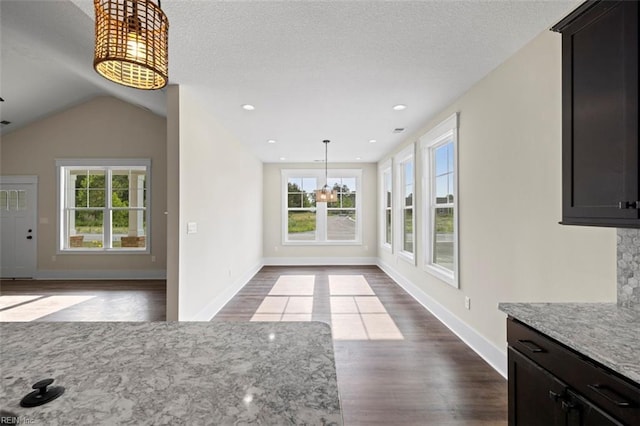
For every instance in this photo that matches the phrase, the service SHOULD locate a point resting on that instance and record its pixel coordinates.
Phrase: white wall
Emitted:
(220, 189)
(103, 127)
(511, 245)
(277, 253)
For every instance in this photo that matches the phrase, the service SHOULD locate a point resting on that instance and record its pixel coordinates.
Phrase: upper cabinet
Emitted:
(600, 156)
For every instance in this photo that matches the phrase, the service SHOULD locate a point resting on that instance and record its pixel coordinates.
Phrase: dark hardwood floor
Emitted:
(80, 300)
(425, 377)
(397, 365)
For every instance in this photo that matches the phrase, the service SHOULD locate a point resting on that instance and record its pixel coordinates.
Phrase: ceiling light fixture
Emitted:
(248, 107)
(372, 141)
(399, 107)
(271, 141)
(325, 194)
(358, 158)
(282, 158)
(132, 43)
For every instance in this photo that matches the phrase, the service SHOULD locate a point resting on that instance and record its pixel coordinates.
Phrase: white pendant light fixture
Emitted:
(132, 43)
(325, 194)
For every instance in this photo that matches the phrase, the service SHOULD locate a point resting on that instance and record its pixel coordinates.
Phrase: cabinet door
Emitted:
(535, 396)
(600, 116)
(581, 412)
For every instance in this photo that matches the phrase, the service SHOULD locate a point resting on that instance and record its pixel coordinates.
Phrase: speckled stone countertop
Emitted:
(604, 332)
(175, 373)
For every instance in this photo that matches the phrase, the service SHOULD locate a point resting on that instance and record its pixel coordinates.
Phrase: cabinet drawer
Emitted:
(608, 390)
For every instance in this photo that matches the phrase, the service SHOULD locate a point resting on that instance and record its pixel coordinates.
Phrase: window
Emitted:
(441, 235)
(104, 205)
(406, 218)
(308, 222)
(386, 205)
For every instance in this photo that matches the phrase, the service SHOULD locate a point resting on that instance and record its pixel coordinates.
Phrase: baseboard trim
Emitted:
(213, 307)
(493, 355)
(319, 261)
(110, 274)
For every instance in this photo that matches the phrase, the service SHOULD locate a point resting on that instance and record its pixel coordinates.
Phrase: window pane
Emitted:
(85, 229)
(408, 199)
(450, 156)
(309, 184)
(4, 200)
(442, 189)
(408, 172)
(120, 198)
(388, 227)
(451, 193)
(443, 243)
(96, 198)
(294, 200)
(407, 216)
(335, 183)
(129, 229)
(388, 198)
(348, 184)
(341, 225)
(294, 185)
(301, 226)
(349, 200)
(442, 159)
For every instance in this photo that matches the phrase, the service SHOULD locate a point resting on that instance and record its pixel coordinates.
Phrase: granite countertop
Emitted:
(605, 332)
(176, 373)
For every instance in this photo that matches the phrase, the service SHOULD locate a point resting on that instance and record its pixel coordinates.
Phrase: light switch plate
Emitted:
(192, 227)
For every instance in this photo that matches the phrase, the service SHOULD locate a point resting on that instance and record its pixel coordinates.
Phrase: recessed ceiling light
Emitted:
(399, 107)
(248, 107)
(372, 141)
(358, 158)
(282, 158)
(271, 141)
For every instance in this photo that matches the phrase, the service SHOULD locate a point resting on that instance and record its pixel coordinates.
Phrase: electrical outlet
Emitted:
(153, 258)
(53, 258)
(467, 302)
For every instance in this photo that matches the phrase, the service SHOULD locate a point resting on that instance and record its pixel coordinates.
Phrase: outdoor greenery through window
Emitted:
(311, 222)
(387, 197)
(441, 200)
(407, 207)
(104, 207)
(442, 205)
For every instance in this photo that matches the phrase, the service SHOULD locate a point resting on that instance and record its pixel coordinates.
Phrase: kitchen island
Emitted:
(178, 373)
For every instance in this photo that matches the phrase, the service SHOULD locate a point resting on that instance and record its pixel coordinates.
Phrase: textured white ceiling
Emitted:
(313, 70)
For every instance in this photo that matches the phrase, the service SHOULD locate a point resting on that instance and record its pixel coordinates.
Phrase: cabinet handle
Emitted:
(532, 347)
(554, 396)
(629, 205)
(610, 395)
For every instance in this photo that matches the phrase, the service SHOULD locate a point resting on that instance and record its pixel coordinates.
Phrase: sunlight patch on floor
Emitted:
(294, 285)
(284, 309)
(361, 318)
(349, 285)
(8, 301)
(41, 307)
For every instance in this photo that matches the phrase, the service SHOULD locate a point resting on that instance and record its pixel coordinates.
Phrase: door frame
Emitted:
(27, 180)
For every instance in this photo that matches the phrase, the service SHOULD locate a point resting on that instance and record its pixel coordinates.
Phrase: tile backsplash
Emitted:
(628, 267)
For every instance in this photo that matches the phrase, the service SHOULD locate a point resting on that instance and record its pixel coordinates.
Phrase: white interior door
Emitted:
(18, 233)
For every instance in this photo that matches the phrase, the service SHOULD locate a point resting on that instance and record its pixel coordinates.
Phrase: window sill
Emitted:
(407, 257)
(104, 251)
(322, 243)
(442, 274)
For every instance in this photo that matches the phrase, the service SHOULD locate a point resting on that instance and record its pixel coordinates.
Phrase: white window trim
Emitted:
(100, 162)
(398, 160)
(384, 169)
(321, 208)
(443, 132)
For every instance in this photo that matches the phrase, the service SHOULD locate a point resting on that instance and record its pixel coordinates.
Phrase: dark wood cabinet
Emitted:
(600, 156)
(550, 384)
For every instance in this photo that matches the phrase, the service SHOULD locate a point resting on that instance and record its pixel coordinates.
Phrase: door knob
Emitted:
(30, 237)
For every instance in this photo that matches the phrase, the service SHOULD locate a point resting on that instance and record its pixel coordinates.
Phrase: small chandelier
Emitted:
(325, 194)
(132, 43)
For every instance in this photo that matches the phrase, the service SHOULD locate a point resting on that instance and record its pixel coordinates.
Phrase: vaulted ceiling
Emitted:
(313, 70)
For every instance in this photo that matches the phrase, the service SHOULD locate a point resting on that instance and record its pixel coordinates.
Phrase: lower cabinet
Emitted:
(538, 398)
(550, 384)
